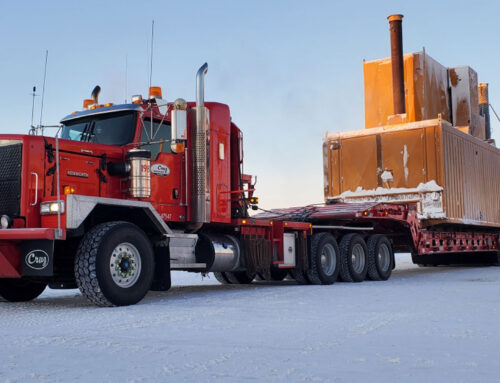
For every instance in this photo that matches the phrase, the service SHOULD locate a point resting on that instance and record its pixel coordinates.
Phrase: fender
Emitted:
(79, 207)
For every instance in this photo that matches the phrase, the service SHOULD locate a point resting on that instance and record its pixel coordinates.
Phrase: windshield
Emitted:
(112, 129)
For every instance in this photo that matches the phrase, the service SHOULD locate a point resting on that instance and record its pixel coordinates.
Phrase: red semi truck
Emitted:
(123, 194)
(129, 192)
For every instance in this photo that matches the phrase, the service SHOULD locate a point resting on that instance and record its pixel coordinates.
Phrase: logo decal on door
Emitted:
(160, 170)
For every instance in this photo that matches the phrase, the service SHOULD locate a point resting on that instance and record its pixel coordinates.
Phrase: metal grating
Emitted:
(10, 179)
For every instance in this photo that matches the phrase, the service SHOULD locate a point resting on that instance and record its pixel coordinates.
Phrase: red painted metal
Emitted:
(432, 242)
(10, 260)
(28, 234)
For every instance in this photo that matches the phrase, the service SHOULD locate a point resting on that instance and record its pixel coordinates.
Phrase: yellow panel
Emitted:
(403, 154)
(358, 163)
(426, 95)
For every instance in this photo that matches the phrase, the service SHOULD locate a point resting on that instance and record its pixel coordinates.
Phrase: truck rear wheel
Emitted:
(380, 257)
(239, 277)
(353, 256)
(221, 277)
(325, 259)
(19, 290)
(114, 264)
(299, 276)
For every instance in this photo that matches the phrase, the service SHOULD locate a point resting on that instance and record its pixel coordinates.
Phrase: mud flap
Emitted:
(37, 258)
(162, 280)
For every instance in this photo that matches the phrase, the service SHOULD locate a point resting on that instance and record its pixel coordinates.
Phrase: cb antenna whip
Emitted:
(151, 57)
(43, 88)
(33, 107)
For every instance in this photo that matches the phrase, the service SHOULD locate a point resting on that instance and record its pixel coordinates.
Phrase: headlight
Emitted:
(53, 207)
(5, 221)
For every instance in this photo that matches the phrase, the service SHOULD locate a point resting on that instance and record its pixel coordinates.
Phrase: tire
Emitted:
(325, 259)
(380, 257)
(299, 276)
(19, 290)
(221, 277)
(240, 277)
(353, 257)
(100, 278)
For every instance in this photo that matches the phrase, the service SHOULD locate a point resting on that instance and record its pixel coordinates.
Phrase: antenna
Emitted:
(33, 107)
(126, 77)
(151, 57)
(43, 89)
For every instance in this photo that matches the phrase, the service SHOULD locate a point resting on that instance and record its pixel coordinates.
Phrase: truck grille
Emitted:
(10, 179)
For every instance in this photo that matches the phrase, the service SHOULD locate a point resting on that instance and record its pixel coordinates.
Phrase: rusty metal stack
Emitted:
(429, 144)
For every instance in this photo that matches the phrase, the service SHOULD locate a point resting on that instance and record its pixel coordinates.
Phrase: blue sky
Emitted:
(289, 70)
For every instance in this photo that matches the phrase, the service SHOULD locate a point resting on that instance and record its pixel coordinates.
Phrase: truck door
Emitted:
(168, 183)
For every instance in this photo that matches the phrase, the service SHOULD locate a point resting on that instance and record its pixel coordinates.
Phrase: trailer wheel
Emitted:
(353, 257)
(240, 277)
(114, 264)
(20, 290)
(325, 259)
(299, 276)
(221, 277)
(380, 257)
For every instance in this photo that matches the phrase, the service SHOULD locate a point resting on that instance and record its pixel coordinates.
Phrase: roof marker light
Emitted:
(155, 92)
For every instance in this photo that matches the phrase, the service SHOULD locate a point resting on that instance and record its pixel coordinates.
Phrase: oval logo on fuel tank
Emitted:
(37, 259)
(160, 170)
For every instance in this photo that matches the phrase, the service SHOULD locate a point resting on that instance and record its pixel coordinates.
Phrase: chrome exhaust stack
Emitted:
(200, 187)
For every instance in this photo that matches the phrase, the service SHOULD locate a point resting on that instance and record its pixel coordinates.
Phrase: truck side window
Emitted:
(158, 135)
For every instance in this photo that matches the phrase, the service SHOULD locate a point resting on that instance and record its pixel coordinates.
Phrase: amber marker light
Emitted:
(108, 104)
(87, 102)
(244, 221)
(155, 92)
(179, 147)
(69, 190)
(365, 213)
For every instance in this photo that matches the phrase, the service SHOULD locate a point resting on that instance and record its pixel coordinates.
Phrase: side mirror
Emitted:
(179, 123)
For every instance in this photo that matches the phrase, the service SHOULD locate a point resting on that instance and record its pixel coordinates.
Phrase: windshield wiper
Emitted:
(88, 131)
(83, 136)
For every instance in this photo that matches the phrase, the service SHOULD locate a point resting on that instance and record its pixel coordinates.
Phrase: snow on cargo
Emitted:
(428, 197)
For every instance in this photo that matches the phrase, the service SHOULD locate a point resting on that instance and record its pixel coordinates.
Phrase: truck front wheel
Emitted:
(114, 264)
(20, 290)
(353, 253)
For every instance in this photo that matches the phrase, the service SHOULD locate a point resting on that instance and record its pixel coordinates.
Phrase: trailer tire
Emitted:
(20, 290)
(299, 276)
(100, 278)
(380, 257)
(353, 257)
(239, 277)
(325, 259)
(221, 278)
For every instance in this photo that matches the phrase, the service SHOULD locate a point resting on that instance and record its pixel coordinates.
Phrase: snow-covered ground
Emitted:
(424, 324)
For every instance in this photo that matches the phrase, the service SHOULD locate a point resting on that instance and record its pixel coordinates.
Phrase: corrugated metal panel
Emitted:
(472, 178)
(467, 168)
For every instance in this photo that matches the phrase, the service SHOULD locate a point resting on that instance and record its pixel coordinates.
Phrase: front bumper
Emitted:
(17, 244)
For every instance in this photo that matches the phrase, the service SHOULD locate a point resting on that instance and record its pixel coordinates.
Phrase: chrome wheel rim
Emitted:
(328, 259)
(384, 257)
(125, 265)
(358, 258)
